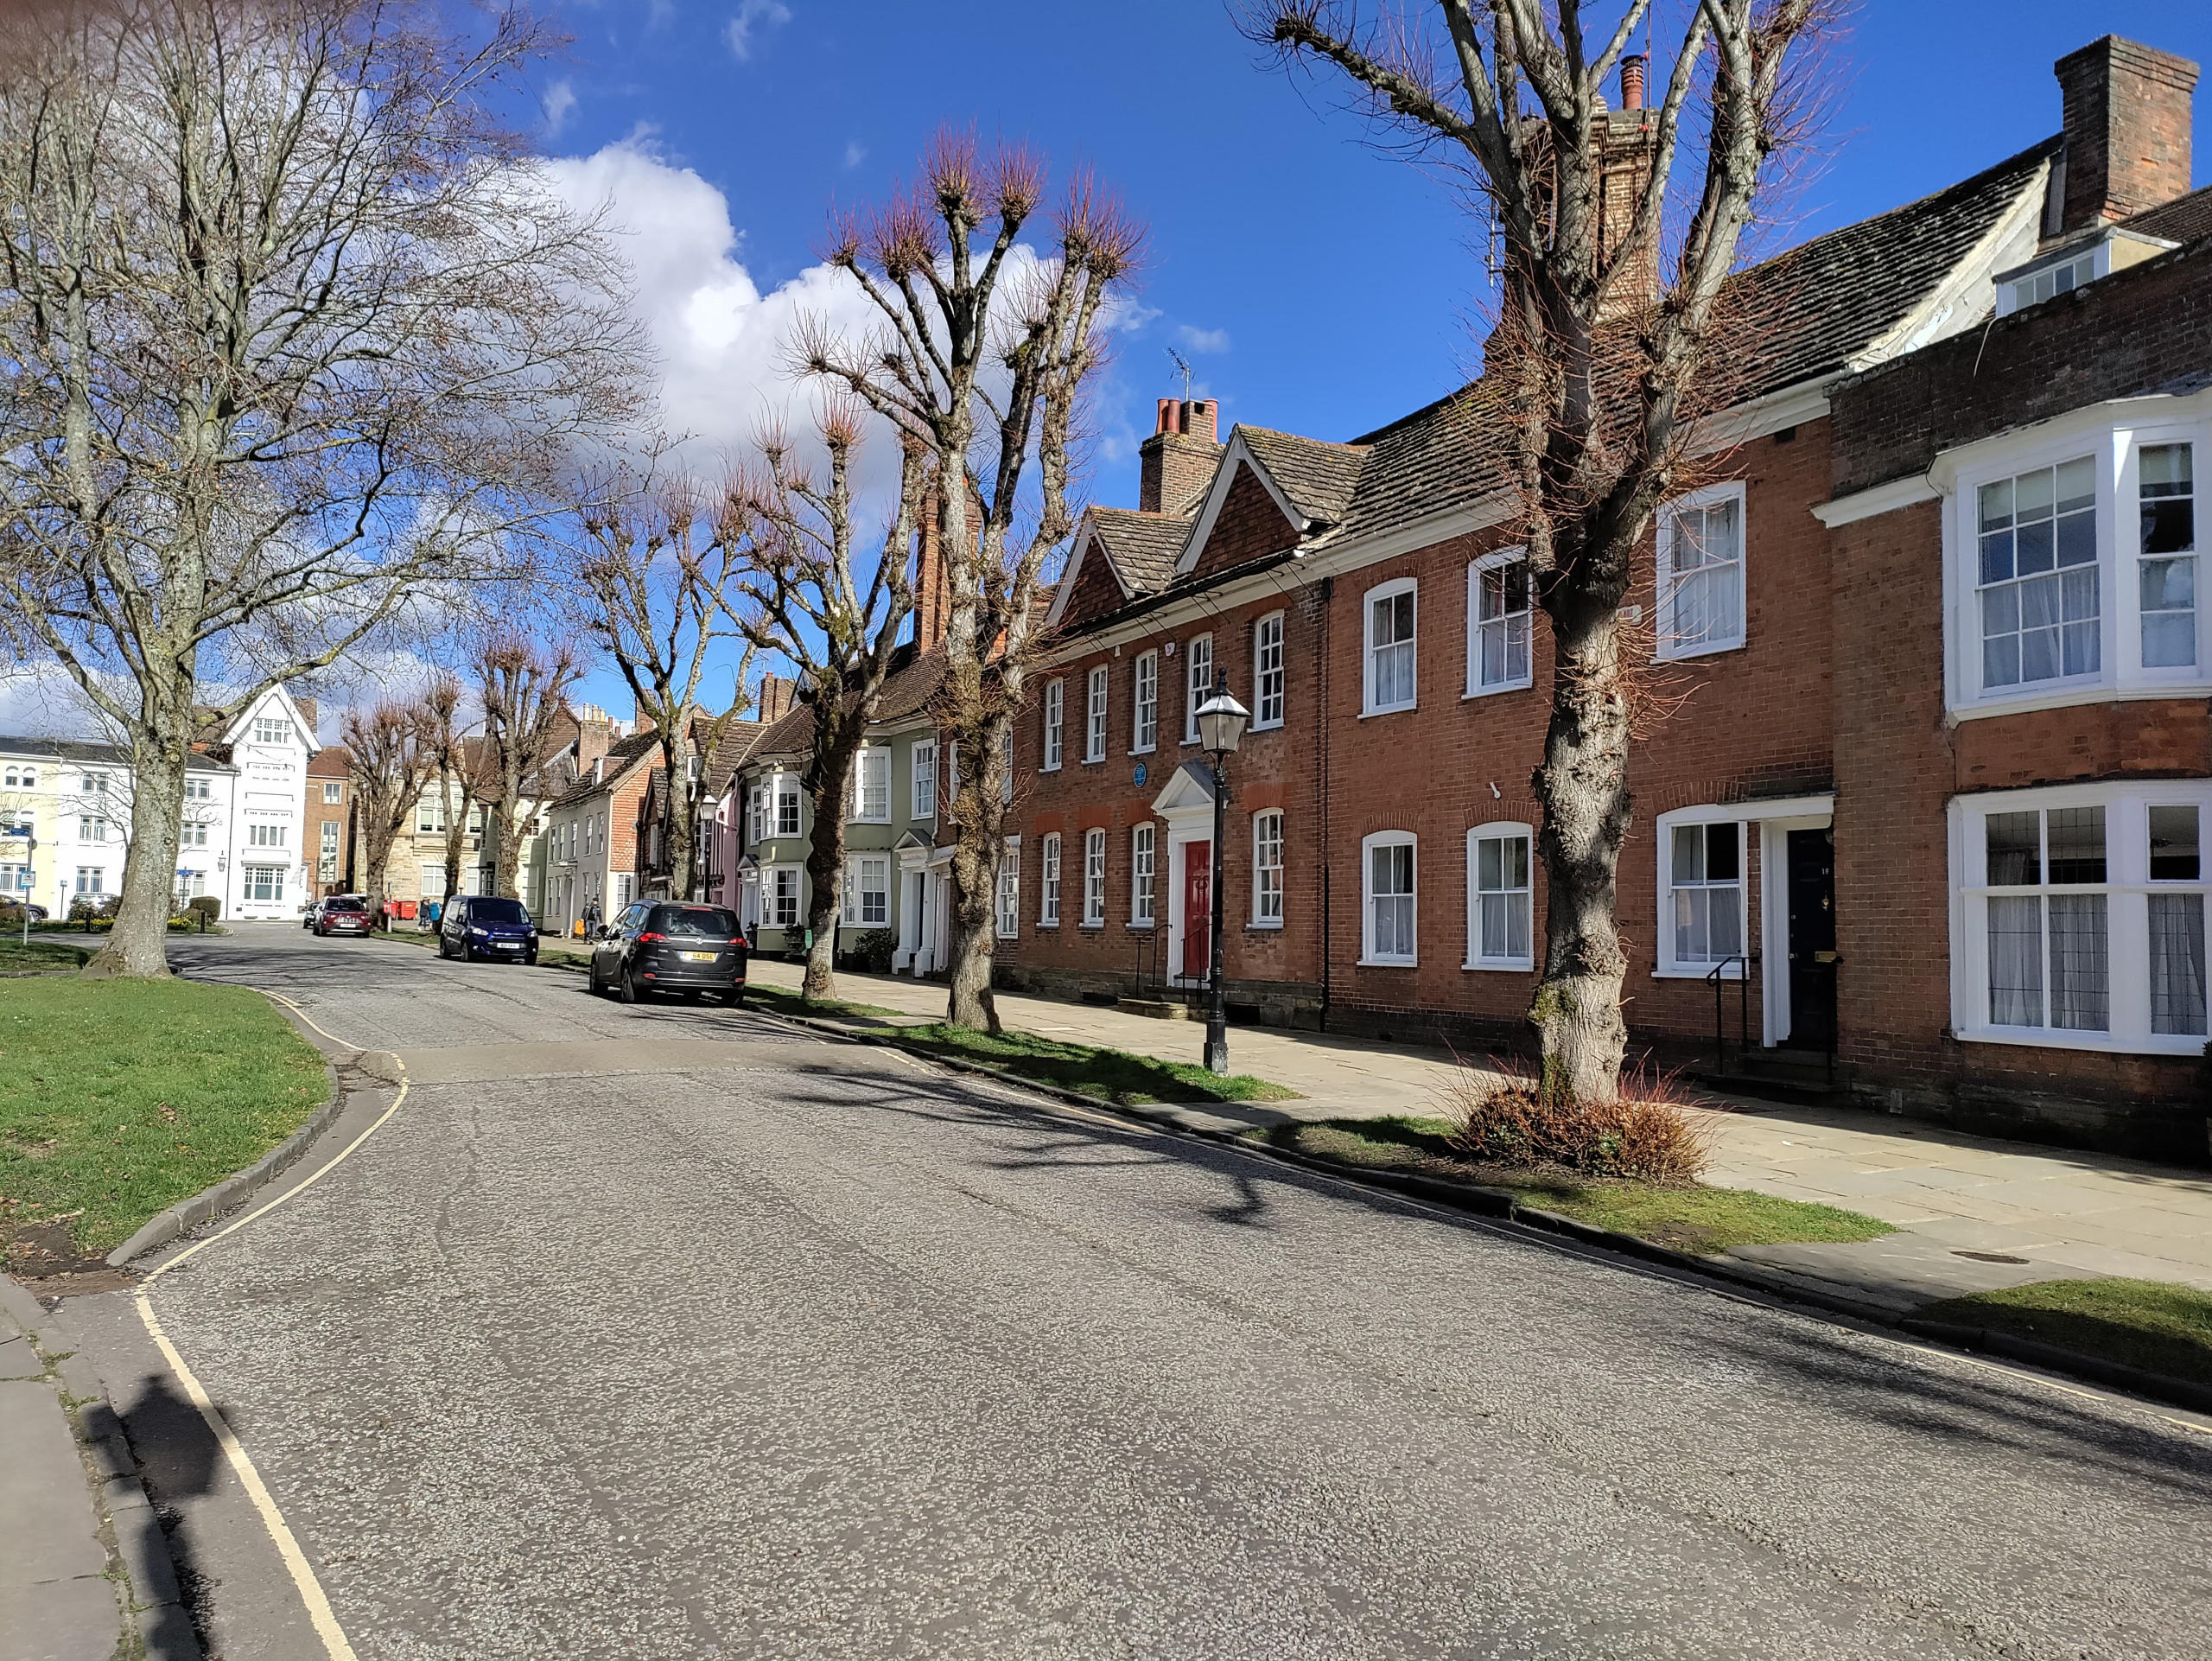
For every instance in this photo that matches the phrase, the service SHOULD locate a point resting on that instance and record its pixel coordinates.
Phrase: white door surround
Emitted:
(1186, 807)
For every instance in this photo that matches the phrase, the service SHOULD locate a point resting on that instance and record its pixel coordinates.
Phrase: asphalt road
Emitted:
(817, 1352)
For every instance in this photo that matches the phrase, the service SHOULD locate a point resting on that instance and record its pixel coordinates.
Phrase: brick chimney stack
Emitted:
(2126, 129)
(1177, 462)
(774, 701)
(1627, 140)
(594, 732)
(932, 584)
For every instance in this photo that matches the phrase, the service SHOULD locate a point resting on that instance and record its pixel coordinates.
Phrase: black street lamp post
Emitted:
(1221, 728)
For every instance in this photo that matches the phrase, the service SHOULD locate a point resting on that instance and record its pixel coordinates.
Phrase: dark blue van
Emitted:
(483, 926)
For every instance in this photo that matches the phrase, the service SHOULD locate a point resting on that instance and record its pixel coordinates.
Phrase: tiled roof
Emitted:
(622, 755)
(2185, 219)
(1142, 547)
(1828, 302)
(1320, 478)
(912, 683)
(74, 749)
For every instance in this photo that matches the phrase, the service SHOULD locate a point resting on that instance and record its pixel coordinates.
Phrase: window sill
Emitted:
(1269, 926)
(1142, 928)
(1688, 653)
(1094, 760)
(1053, 926)
(1143, 750)
(1386, 963)
(1733, 972)
(1500, 967)
(2051, 1038)
(1093, 928)
(1263, 727)
(1049, 767)
(1390, 709)
(1494, 691)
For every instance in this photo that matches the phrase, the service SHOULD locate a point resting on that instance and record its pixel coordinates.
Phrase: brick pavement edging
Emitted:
(1502, 1206)
(123, 1506)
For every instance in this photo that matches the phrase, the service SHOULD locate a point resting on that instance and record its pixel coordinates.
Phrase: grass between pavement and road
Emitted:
(1686, 1216)
(119, 1099)
(2145, 1324)
(1115, 1075)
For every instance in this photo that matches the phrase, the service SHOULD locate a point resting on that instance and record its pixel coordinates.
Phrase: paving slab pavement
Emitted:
(2070, 1214)
(56, 1602)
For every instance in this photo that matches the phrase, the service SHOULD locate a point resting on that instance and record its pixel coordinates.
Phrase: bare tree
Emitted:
(524, 689)
(389, 764)
(800, 593)
(1598, 366)
(292, 329)
(983, 359)
(445, 740)
(653, 576)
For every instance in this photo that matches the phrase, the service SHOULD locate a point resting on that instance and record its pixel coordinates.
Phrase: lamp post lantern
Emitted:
(1221, 721)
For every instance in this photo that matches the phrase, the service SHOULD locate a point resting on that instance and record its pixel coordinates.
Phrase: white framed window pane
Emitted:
(2080, 993)
(1503, 898)
(1146, 733)
(1390, 891)
(1704, 599)
(2040, 594)
(924, 766)
(1267, 672)
(1009, 893)
(1141, 875)
(1390, 650)
(1050, 879)
(1094, 876)
(2167, 572)
(1095, 735)
(1200, 681)
(1268, 868)
(2178, 1002)
(1054, 694)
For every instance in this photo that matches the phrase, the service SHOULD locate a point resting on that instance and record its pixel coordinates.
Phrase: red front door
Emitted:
(1198, 908)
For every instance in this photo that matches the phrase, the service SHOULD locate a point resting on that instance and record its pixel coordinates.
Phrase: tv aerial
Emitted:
(1183, 366)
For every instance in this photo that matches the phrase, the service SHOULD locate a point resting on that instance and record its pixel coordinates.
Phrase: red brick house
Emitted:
(1802, 808)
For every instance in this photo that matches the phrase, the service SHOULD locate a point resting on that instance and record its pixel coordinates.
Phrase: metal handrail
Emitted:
(1717, 975)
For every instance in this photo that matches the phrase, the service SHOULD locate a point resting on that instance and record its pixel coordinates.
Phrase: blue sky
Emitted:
(1316, 284)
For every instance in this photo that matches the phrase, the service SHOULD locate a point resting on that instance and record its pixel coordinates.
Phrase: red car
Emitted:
(342, 915)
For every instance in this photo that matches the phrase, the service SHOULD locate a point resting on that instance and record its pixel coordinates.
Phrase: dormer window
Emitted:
(2062, 279)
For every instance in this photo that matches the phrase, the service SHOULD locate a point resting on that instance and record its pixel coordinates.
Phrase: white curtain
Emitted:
(2177, 962)
(2081, 982)
(2016, 961)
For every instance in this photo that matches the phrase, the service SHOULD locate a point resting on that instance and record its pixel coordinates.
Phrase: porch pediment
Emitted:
(1191, 791)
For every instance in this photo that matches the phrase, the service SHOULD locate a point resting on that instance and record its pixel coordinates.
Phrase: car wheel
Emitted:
(530, 960)
(626, 986)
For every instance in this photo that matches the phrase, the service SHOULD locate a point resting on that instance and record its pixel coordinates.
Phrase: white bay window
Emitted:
(2078, 917)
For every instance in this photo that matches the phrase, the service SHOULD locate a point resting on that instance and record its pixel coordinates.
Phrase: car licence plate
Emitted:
(696, 956)
(508, 945)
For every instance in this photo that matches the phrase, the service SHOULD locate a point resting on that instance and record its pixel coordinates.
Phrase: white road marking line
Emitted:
(288, 1546)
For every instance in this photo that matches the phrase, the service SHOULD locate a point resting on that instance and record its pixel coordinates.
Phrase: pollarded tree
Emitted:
(389, 760)
(983, 357)
(1607, 350)
(802, 595)
(455, 763)
(292, 327)
(525, 689)
(652, 578)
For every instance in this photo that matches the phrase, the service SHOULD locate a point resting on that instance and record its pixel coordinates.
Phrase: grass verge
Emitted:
(2146, 1324)
(42, 952)
(1114, 1074)
(1682, 1216)
(784, 1003)
(118, 1098)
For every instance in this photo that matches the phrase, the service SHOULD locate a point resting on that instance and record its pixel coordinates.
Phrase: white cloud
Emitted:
(856, 153)
(722, 341)
(559, 103)
(1206, 341)
(762, 14)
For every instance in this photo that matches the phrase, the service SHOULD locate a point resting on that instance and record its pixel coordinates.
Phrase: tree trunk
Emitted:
(1583, 785)
(980, 812)
(160, 744)
(825, 854)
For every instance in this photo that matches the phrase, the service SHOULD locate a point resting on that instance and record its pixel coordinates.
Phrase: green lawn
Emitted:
(785, 1002)
(1687, 1217)
(2146, 1324)
(118, 1098)
(43, 953)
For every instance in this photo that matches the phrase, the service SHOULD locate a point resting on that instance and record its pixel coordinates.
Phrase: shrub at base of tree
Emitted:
(1645, 1132)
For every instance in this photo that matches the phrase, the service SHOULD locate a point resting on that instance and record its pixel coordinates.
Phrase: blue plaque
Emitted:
(1139, 773)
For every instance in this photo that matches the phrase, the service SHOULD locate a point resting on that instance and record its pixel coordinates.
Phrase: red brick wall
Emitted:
(1749, 721)
(1249, 526)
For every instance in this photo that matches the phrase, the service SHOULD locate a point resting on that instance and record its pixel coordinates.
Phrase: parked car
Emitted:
(342, 914)
(311, 918)
(476, 926)
(661, 945)
(15, 908)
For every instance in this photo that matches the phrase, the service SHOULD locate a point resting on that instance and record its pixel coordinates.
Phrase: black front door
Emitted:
(1812, 940)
